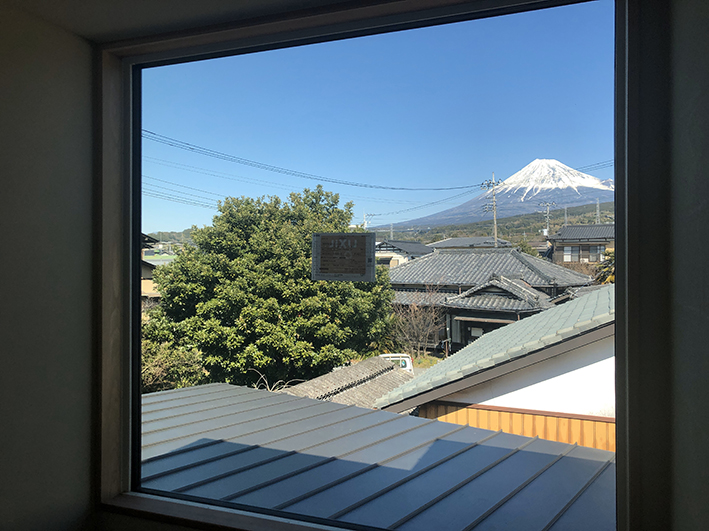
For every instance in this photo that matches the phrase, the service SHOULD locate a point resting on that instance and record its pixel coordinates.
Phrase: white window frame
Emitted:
(639, 202)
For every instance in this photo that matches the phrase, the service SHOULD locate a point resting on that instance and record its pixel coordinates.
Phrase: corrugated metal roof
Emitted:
(360, 384)
(605, 231)
(513, 341)
(364, 469)
(474, 241)
(471, 267)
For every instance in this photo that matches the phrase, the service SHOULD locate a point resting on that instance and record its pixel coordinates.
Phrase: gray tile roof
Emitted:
(501, 294)
(474, 242)
(421, 298)
(471, 267)
(409, 247)
(594, 310)
(365, 469)
(360, 384)
(604, 232)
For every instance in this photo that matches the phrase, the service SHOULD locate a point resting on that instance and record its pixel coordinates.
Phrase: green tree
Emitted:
(242, 295)
(165, 367)
(525, 247)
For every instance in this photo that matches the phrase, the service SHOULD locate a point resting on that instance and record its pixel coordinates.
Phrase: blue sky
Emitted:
(429, 108)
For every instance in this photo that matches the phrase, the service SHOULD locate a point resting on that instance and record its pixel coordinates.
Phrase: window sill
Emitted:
(202, 516)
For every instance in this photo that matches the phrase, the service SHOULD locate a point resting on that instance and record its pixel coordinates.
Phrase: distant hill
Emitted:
(512, 228)
(173, 237)
(541, 181)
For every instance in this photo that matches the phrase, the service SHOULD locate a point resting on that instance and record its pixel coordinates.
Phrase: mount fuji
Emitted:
(540, 181)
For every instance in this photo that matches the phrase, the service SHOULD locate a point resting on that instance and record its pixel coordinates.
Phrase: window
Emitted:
(571, 253)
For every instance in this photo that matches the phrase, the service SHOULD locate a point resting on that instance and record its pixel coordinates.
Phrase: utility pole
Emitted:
(547, 205)
(391, 231)
(491, 207)
(598, 211)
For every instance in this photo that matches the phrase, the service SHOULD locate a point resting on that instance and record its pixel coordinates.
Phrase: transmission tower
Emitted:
(598, 211)
(547, 205)
(490, 184)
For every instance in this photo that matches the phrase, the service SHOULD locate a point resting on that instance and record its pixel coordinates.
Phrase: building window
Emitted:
(573, 256)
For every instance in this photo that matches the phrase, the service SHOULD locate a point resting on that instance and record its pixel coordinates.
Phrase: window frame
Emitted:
(118, 140)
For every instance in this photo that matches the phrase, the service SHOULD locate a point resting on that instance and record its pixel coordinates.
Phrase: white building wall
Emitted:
(580, 382)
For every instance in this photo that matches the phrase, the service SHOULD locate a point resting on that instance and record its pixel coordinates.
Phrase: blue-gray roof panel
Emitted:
(358, 466)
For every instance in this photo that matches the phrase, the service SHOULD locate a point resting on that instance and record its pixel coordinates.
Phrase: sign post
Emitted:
(343, 256)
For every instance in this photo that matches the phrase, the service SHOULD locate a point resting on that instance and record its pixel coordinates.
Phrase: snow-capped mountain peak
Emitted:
(548, 174)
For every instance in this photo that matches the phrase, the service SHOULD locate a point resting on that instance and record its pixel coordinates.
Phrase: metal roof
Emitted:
(471, 267)
(474, 241)
(360, 384)
(601, 232)
(409, 247)
(513, 341)
(501, 294)
(365, 469)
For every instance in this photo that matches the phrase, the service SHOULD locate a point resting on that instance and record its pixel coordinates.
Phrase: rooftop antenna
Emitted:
(490, 184)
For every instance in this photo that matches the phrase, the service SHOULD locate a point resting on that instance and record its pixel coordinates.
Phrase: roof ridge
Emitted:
(518, 255)
(354, 383)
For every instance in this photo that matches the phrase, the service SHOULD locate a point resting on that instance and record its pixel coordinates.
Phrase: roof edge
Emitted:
(598, 333)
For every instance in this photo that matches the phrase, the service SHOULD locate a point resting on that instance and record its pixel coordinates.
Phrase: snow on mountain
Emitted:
(543, 180)
(547, 174)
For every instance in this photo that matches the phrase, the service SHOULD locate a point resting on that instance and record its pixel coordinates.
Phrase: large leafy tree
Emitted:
(242, 295)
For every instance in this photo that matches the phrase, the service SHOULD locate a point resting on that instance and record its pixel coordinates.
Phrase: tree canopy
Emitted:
(242, 295)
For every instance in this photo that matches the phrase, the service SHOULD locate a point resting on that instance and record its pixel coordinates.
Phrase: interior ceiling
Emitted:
(111, 20)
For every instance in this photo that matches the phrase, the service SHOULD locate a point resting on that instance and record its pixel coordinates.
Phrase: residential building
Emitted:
(66, 426)
(582, 243)
(481, 290)
(551, 375)
(395, 252)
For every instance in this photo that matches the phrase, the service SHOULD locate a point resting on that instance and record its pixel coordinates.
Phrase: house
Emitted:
(395, 252)
(551, 375)
(66, 430)
(473, 242)
(480, 290)
(359, 384)
(366, 469)
(582, 243)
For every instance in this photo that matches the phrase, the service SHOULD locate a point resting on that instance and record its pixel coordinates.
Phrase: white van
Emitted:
(401, 360)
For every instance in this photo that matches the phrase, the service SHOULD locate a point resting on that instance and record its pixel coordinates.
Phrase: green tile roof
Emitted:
(513, 341)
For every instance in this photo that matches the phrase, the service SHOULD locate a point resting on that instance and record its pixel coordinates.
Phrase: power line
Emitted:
(249, 180)
(177, 199)
(426, 205)
(179, 144)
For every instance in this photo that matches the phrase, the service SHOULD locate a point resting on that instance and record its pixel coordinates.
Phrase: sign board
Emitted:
(343, 256)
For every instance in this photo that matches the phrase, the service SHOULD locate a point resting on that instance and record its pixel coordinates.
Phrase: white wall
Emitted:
(580, 382)
(45, 299)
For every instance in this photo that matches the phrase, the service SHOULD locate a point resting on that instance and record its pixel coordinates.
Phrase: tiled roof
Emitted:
(415, 248)
(585, 232)
(306, 459)
(360, 384)
(474, 242)
(501, 294)
(421, 298)
(471, 267)
(563, 322)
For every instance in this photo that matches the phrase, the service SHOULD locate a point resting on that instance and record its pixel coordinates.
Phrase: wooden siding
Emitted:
(595, 432)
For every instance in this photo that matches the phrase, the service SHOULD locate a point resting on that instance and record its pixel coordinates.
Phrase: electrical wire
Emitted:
(179, 144)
